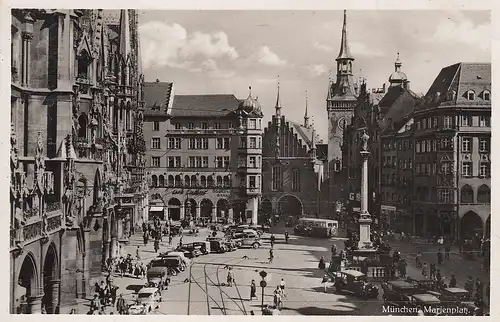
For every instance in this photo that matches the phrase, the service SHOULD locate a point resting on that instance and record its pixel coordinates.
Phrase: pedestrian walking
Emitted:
(137, 256)
(424, 270)
(271, 256)
(418, 261)
(230, 277)
(282, 287)
(321, 264)
(439, 257)
(278, 301)
(469, 286)
(170, 239)
(453, 281)
(286, 237)
(95, 304)
(253, 290)
(273, 240)
(157, 245)
(324, 281)
(432, 271)
(120, 305)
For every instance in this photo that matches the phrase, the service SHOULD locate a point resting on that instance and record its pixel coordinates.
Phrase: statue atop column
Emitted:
(364, 139)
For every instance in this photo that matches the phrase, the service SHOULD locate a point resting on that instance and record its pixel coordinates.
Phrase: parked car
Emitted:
(251, 239)
(147, 300)
(353, 281)
(158, 277)
(454, 297)
(217, 245)
(190, 251)
(230, 245)
(428, 301)
(203, 246)
(173, 264)
(397, 293)
(185, 262)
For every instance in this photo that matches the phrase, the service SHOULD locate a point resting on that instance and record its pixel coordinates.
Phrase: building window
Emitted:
(444, 196)
(177, 162)
(227, 181)
(252, 143)
(242, 161)
(192, 162)
(204, 162)
(204, 142)
(226, 162)
(434, 145)
(177, 126)
(466, 144)
(156, 126)
(230, 125)
(252, 182)
(484, 121)
(161, 181)
(204, 125)
(243, 142)
(198, 162)
(171, 143)
(198, 143)
(252, 124)
(219, 163)
(410, 163)
(295, 180)
(223, 143)
(417, 147)
(466, 169)
(424, 124)
(434, 169)
(471, 95)
(447, 122)
(171, 181)
(171, 162)
(429, 148)
(178, 143)
(154, 181)
(191, 126)
(466, 120)
(418, 125)
(252, 162)
(483, 194)
(217, 126)
(192, 144)
(484, 145)
(155, 162)
(277, 178)
(484, 170)
(445, 168)
(155, 143)
(486, 96)
(435, 121)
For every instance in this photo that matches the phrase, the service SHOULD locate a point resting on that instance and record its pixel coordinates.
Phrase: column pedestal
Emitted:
(230, 215)
(54, 289)
(214, 214)
(197, 213)
(114, 247)
(35, 304)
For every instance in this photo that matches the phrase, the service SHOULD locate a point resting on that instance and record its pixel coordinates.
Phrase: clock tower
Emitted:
(341, 101)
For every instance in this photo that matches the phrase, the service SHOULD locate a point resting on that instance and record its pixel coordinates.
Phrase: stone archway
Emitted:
(206, 208)
(289, 205)
(487, 228)
(470, 224)
(190, 208)
(222, 208)
(174, 209)
(27, 297)
(51, 281)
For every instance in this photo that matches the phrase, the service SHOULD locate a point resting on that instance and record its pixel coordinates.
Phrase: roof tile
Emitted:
(204, 105)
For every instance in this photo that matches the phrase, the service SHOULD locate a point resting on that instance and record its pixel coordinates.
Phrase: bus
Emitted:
(314, 227)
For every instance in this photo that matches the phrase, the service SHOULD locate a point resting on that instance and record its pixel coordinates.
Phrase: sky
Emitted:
(225, 52)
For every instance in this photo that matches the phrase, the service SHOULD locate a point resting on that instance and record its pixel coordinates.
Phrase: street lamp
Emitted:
(263, 284)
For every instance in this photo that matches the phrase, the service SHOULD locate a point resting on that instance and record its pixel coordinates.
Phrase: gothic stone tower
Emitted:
(341, 100)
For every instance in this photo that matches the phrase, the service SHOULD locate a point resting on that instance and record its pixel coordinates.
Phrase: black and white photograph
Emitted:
(249, 162)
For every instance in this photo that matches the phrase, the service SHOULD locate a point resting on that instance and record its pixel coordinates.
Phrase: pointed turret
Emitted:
(306, 117)
(124, 34)
(278, 101)
(345, 52)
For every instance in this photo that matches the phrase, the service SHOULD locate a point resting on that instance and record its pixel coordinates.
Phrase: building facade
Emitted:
(292, 172)
(75, 100)
(205, 155)
(452, 154)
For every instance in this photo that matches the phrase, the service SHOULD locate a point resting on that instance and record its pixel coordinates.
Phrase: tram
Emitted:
(314, 227)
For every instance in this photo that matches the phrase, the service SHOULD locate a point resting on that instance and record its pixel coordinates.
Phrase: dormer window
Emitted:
(450, 96)
(471, 95)
(486, 95)
(437, 96)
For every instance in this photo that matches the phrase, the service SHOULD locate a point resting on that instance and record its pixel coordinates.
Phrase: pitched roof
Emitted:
(390, 97)
(305, 133)
(204, 105)
(399, 112)
(157, 96)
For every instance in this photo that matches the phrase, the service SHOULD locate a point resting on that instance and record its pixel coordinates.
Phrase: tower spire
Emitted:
(306, 117)
(345, 52)
(278, 101)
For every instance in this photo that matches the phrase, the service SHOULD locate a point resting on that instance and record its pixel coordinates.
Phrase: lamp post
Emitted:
(263, 285)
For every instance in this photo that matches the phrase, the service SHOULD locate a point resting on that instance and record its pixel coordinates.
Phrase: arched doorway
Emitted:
(289, 205)
(206, 207)
(174, 209)
(470, 224)
(51, 282)
(222, 208)
(27, 286)
(190, 208)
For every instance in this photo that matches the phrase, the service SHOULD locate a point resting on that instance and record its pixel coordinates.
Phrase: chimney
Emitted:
(383, 88)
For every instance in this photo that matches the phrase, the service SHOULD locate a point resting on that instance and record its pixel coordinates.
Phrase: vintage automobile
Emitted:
(184, 261)
(147, 300)
(354, 282)
(251, 239)
(397, 293)
(158, 277)
(203, 246)
(174, 265)
(422, 283)
(190, 251)
(454, 297)
(230, 245)
(217, 245)
(429, 303)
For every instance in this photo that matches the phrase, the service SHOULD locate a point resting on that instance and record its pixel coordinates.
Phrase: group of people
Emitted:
(106, 296)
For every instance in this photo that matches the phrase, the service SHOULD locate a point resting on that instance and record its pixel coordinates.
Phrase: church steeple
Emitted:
(278, 101)
(345, 52)
(125, 49)
(306, 117)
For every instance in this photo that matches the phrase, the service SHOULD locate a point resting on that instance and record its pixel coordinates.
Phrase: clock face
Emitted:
(342, 123)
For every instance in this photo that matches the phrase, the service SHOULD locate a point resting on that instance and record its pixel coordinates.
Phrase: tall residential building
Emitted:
(292, 173)
(340, 103)
(204, 155)
(453, 154)
(76, 161)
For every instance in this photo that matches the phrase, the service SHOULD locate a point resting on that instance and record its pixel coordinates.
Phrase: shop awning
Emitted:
(155, 208)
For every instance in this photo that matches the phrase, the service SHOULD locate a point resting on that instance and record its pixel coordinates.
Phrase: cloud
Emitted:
(164, 44)
(267, 57)
(458, 29)
(323, 47)
(361, 49)
(317, 69)
(211, 68)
